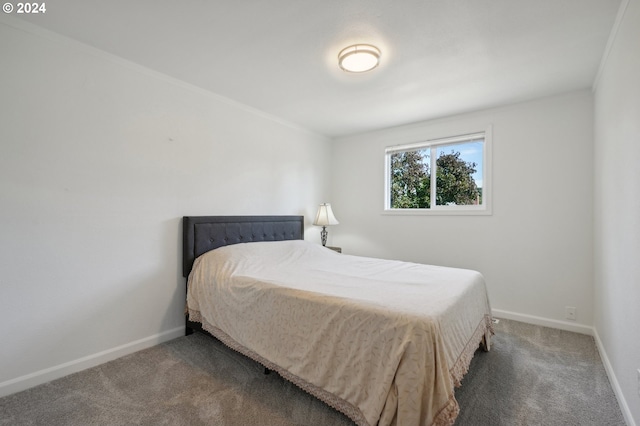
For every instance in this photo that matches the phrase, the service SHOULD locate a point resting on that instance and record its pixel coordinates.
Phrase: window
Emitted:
(442, 176)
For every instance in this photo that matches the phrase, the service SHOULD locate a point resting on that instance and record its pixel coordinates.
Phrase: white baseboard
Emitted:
(545, 322)
(622, 402)
(43, 376)
(583, 329)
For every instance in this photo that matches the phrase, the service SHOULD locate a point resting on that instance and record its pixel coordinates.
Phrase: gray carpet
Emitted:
(532, 376)
(537, 376)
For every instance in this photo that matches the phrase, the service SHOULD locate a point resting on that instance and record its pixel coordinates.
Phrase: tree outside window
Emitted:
(458, 165)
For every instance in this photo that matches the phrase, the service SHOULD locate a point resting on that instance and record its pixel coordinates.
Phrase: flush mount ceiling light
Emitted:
(359, 58)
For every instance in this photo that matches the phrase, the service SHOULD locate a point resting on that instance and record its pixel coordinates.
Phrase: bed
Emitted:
(384, 342)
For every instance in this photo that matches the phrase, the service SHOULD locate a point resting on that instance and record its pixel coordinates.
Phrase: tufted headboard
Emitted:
(204, 233)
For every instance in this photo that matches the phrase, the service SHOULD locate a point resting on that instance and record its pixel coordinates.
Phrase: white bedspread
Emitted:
(382, 341)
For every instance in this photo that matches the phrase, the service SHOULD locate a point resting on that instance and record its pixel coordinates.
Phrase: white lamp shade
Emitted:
(325, 216)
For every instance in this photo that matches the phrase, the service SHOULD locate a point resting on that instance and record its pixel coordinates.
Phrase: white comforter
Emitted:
(382, 341)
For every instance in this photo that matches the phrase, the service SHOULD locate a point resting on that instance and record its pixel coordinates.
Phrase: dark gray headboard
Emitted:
(204, 233)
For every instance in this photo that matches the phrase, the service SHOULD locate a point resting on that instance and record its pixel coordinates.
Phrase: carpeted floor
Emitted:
(537, 376)
(532, 376)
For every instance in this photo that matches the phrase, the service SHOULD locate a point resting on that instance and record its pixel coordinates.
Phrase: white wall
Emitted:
(535, 250)
(617, 209)
(99, 160)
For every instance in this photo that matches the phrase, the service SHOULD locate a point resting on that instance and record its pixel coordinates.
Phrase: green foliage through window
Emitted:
(410, 180)
(458, 164)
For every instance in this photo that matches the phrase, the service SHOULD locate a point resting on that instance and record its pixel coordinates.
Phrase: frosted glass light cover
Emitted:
(359, 58)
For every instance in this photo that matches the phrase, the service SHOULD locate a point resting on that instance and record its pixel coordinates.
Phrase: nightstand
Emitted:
(338, 249)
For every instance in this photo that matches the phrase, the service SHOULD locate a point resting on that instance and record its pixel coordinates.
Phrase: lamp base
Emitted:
(323, 235)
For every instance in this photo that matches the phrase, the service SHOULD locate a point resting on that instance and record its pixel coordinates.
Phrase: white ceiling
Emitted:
(439, 57)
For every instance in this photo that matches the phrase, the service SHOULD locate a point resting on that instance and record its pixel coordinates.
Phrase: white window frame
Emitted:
(433, 144)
